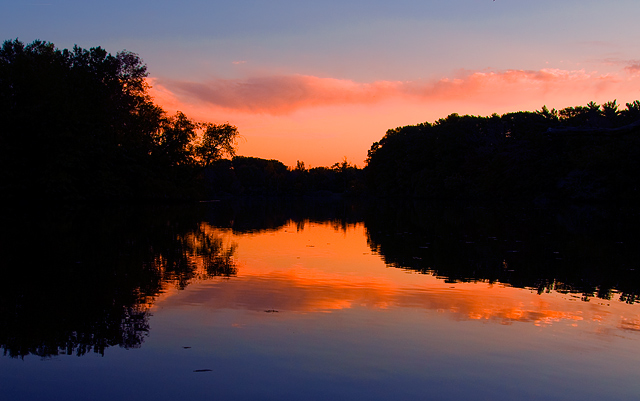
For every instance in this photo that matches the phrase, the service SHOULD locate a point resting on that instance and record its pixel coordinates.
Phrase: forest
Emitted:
(79, 125)
(584, 153)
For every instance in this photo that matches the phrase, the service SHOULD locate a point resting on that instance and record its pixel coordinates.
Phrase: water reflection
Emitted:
(576, 249)
(79, 281)
(75, 281)
(324, 268)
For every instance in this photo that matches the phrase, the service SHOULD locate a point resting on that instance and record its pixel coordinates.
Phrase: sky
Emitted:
(320, 81)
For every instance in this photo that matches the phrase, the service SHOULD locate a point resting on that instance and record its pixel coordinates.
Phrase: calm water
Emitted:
(320, 302)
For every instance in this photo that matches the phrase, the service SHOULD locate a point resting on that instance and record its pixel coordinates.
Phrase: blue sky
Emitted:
(347, 39)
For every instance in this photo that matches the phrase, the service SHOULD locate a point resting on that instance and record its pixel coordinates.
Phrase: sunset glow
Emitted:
(313, 119)
(317, 82)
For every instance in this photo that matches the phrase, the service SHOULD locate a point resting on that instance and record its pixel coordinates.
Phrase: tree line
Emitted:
(80, 125)
(586, 153)
(254, 176)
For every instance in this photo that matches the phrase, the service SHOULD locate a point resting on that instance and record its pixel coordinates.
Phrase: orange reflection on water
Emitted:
(320, 267)
(629, 324)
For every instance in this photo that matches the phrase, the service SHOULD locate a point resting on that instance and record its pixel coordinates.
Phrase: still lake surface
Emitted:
(282, 300)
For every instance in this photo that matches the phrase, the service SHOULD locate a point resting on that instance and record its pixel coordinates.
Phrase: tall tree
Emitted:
(218, 140)
(80, 124)
(77, 123)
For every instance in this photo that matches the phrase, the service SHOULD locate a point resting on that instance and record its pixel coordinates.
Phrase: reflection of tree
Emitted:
(76, 281)
(81, 281)
(580, 250)
(196, 254)
(248, 215)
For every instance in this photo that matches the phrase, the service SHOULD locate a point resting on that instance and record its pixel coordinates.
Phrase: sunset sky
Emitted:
(320, 81)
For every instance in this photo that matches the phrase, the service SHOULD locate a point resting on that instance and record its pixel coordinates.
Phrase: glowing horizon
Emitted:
(321, 120)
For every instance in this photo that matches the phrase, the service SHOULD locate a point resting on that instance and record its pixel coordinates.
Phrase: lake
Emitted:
(320, 300)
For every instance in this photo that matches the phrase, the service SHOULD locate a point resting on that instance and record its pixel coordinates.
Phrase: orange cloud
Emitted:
(278, 95)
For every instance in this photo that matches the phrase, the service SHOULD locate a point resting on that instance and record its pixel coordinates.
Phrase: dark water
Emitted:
(320, 300)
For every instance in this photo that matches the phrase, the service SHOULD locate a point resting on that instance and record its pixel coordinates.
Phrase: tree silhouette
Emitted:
(578, 153)
(80, 124)
(218, 140)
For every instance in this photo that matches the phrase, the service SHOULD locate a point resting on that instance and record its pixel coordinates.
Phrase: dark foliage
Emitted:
(255, 176)
(79, 124)
(585, 153)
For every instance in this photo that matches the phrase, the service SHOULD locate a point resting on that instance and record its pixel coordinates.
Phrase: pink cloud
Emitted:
(633, 68)
(481, 84)
(630, 66)
(279, 95)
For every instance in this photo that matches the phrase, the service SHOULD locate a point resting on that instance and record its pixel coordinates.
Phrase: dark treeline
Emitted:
(254, 176)
(79, 125)
(587, 153)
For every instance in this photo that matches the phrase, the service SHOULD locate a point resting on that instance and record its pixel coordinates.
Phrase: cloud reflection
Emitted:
(320, 287)
(467, 301)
